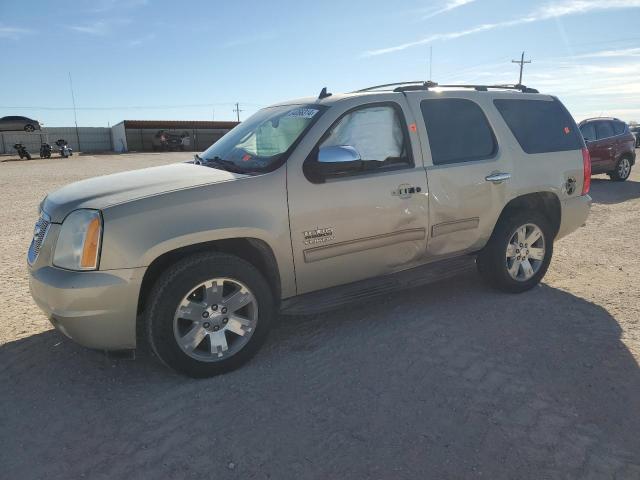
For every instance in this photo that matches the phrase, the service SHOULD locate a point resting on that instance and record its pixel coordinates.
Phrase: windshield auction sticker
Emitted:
(302, 113)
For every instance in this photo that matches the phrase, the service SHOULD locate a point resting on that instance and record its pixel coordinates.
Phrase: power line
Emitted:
(128, 107)
(522, 61)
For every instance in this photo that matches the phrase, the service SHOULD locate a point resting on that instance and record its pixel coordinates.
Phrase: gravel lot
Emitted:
(450, 381)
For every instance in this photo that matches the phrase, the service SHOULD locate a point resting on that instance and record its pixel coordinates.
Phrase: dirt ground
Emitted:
(450, 381)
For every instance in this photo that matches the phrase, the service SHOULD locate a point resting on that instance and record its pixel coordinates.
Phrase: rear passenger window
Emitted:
(618, 128)
(604, 130)
(458, 131)
(540, 126)
(588, 131)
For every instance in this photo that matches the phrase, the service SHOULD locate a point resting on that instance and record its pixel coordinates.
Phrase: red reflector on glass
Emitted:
(413, 127)
(586, 165)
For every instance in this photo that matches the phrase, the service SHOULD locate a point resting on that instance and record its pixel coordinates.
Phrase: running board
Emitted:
(336, 297)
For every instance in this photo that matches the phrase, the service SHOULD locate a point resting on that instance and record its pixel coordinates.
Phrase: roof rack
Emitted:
(422, 85)
(385, 85)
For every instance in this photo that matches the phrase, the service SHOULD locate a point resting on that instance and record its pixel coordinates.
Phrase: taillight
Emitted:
(586, 165)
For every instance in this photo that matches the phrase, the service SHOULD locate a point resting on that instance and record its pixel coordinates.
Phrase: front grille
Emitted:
(39, 233)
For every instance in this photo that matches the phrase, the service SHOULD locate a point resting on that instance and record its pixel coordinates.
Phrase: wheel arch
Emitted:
(629, 155)
(253, 250)
(546, 203)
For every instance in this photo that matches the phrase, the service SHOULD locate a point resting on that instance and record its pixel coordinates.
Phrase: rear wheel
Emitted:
(622, 171)
(518, 253)
(208, 314)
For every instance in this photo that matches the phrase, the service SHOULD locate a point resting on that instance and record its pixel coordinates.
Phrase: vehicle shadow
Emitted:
(606, 191)
(451, 380)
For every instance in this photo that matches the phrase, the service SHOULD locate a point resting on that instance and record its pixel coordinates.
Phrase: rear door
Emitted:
(467, 171)
(604, 147)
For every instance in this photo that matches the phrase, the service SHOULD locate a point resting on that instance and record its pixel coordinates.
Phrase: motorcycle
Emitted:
(22, 151)
(63, 148)
(45, 150)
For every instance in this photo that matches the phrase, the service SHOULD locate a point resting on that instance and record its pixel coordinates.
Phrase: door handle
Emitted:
(498, 177)
(405, 191)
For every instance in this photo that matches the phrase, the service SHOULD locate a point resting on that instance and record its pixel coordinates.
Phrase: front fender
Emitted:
(138, 232)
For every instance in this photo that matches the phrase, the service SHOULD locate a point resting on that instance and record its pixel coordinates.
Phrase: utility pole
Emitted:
(522, 61)
(75, 116)
(237, 110)
(430, 63)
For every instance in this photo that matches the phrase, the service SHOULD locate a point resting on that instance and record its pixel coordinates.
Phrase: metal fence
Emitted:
(91, 139)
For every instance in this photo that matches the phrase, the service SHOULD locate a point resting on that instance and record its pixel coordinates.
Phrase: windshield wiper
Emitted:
(222, 164)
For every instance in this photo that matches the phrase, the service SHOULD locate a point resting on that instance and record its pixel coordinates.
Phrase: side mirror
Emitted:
(339, 154)
(338, 160)
(331, 161)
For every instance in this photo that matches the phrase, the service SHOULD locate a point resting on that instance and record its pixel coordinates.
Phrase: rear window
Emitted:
(604, 130)
(540, 126)
(619, 128)
(588, 131)
(458, 131)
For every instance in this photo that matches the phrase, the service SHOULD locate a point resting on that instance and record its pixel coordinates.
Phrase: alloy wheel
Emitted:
(525, 252)
(624, 168)
(216, 319)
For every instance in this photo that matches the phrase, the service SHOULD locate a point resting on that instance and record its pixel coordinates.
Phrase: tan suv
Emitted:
(308, 205)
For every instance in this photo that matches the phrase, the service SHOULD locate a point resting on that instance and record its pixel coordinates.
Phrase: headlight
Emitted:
(78, 244)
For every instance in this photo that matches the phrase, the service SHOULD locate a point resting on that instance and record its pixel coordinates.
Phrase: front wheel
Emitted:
(29, 128)
(622, 171)
(208, 314)
(518, 253)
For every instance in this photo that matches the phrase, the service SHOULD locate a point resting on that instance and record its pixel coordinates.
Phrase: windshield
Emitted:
(260, 142)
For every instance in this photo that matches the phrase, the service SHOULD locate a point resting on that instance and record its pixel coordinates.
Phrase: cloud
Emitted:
(627, 52)
(98, 27)
(548, 11)
(139, 41)
(447, 7)
(13, 32)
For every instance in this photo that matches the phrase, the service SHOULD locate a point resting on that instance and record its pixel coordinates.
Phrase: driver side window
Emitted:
(376, 133)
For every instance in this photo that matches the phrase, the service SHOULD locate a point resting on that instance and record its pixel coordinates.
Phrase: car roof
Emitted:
(595, 119)
(435, 91)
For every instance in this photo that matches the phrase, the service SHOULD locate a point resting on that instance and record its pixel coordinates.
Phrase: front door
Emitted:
(371, 217)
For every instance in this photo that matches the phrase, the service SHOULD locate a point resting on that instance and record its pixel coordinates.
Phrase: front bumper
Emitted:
(95, 309)
(575, 211)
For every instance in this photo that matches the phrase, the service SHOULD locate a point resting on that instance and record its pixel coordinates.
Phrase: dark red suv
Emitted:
(611, 146)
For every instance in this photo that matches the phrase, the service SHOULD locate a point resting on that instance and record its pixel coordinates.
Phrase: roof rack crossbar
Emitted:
(376, 87)
(422, 85)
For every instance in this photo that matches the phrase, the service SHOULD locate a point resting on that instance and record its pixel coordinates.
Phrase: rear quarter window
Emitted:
(540, 126)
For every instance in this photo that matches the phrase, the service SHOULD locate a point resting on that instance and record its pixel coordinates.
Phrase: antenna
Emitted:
(75, 115)
(522, 61)
(323, 93)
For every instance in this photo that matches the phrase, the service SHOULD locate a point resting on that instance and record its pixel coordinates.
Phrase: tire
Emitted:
(622, 171)
(494, 260)
(29, 128)
(28, 155)
(180, 285)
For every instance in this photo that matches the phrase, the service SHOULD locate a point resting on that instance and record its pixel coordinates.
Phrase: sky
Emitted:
(192, 60)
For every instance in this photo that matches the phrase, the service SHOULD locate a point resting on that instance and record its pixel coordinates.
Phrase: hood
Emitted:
(102, 192)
